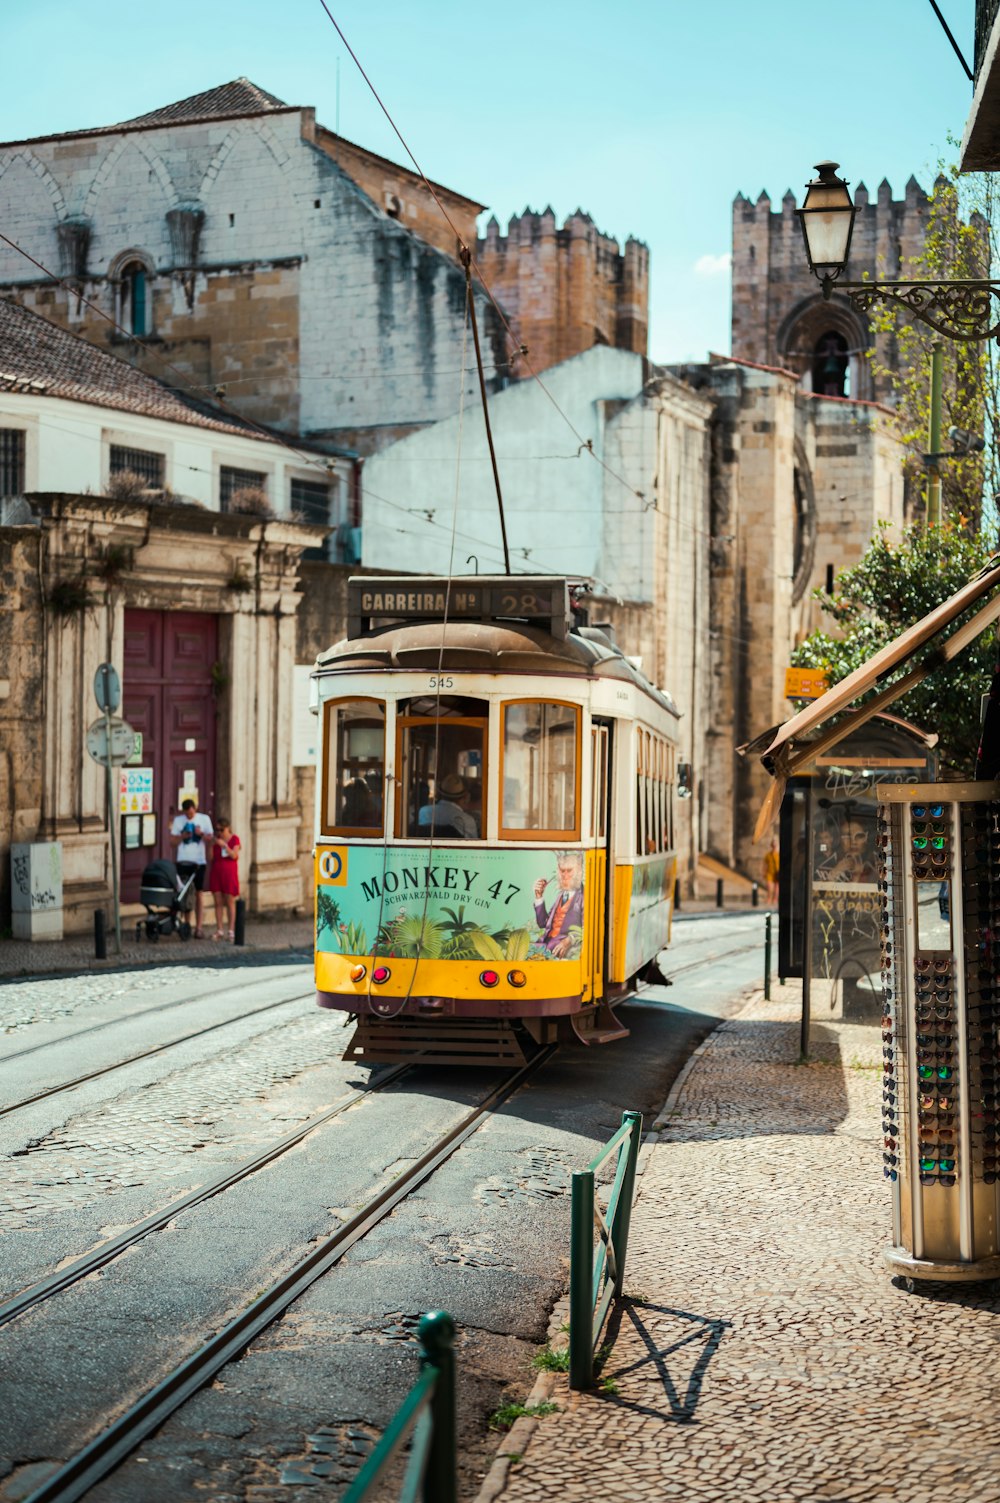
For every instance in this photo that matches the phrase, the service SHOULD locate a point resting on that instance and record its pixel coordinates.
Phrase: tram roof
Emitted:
(495, 647)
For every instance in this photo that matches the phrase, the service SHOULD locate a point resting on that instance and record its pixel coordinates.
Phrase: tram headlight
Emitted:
(489, 978)
(381, 973)
(358, 972)
(516, 978)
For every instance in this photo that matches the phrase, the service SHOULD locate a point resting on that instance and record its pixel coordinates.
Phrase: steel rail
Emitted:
(145, 1012)
(693, 965)
(134, 1059)
(106, 1252)
(109, 1449)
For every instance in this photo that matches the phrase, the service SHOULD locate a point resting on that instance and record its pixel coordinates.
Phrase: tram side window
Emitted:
(540, 773)
(441, 761)
(354, 767)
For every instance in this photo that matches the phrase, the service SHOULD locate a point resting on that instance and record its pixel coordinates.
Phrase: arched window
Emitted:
(830, 365)
(134, 305)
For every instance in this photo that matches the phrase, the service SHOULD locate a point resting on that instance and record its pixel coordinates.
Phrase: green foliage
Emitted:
(960, 243)
(550, 1361)
(893, 586)
(327, 912)
(504, 1417)
(353, 939)
(410, 936)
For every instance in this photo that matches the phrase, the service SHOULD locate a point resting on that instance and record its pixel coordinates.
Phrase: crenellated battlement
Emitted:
(778, 309)
(567, 288)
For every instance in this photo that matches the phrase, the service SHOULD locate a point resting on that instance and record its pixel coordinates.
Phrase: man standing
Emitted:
(191, 835)
(567, 909)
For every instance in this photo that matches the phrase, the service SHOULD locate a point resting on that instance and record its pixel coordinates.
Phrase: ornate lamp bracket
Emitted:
(958, 310)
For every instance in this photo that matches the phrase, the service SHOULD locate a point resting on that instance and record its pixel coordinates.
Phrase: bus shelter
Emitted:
(828, 898)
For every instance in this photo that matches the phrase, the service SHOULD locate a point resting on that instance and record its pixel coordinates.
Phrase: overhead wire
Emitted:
(518, 349)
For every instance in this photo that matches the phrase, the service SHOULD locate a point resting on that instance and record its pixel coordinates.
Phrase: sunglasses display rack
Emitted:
(939, 888)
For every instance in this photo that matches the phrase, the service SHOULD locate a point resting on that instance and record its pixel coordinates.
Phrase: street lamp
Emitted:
(827, 220)
(960, 310)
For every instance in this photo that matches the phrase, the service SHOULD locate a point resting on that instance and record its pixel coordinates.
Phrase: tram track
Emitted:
(133, 1059)
(106, 1252)
(112, 1446)
(717, 955)
(132, 1017)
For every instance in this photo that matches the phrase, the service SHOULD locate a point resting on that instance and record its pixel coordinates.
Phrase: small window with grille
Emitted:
(246, 486)
(312, 502)
(11, 462)
(149, 466)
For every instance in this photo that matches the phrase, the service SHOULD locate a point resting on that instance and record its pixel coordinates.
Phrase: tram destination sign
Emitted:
(482, 598)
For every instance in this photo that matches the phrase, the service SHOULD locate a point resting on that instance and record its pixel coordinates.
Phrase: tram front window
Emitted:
(354, 770)
(541, 756)
(442, 768)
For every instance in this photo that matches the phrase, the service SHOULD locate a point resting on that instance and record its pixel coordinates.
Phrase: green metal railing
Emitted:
(428, 1412)
(596, 1279)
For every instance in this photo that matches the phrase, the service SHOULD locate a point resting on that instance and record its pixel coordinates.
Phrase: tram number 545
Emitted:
(440, 681)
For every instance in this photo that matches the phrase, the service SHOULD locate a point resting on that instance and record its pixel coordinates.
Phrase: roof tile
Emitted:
(41, 358)
(240, 97)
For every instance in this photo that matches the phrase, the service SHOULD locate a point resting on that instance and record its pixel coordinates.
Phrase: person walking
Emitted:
(771, 869)
(224, 879)
(190, 838)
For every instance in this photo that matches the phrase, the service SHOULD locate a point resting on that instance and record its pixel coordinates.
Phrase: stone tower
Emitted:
(567, 289)
(779, 315)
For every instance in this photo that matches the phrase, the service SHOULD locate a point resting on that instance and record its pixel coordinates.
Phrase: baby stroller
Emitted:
(168, 902)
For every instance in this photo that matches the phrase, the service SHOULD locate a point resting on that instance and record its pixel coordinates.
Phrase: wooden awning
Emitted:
(808, 734)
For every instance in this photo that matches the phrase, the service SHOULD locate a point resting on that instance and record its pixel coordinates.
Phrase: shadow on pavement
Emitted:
(689, 1353)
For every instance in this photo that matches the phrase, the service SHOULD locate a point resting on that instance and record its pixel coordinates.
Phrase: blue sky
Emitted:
(651, 116)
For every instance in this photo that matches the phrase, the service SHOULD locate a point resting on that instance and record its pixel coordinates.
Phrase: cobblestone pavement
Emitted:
(764, 1353)
(20, 958)
(146, 1135)
(26, 1002)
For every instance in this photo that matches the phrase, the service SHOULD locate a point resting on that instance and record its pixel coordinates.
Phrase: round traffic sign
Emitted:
(122, 742)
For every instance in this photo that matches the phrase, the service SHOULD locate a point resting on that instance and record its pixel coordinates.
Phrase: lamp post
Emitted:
(961, 309)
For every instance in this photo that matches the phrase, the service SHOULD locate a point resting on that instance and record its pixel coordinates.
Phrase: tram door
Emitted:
(599, 897)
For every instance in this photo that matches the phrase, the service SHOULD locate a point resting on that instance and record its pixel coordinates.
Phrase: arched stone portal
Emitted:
(827, 344)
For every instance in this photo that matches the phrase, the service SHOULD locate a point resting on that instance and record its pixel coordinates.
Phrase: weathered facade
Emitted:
(721, 496)
(779, 314)
(566, 289)
(181, 567)
(231, 244)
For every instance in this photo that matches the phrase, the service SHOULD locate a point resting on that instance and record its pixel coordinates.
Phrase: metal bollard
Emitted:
(437, 1335)
(719, 893)
(677, 895)
(240, 931)
(100, 935)
(767, 958)
(754, 895)
(581, 1280)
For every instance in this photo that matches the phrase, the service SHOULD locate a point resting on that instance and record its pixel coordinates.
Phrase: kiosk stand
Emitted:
(939, 883)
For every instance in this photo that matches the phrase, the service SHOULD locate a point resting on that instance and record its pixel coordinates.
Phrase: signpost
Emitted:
(111, 742)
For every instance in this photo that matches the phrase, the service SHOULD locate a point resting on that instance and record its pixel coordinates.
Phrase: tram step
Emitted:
(602, 1027)
(444, 1041)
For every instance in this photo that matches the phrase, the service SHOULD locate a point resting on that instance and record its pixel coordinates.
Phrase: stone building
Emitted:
(707, 502)
(243, 249)
(567, 289)
(143, 527)
(779, 314)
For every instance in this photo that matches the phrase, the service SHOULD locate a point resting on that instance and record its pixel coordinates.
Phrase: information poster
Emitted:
(135, 790)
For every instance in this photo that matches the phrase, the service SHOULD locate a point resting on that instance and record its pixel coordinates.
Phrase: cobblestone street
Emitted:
(764, 1353)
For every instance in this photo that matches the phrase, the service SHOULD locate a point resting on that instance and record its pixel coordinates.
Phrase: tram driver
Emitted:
(449, 814)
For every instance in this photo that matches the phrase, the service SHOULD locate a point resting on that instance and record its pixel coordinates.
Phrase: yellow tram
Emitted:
(495, 856)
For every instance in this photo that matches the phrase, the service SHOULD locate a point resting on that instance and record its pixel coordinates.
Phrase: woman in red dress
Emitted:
(224, 879)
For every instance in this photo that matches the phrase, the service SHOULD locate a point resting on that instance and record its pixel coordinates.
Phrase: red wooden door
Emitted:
(167, 695)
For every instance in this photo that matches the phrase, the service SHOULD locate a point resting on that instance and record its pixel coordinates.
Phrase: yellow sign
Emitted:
(805, 683)
(331, 865)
